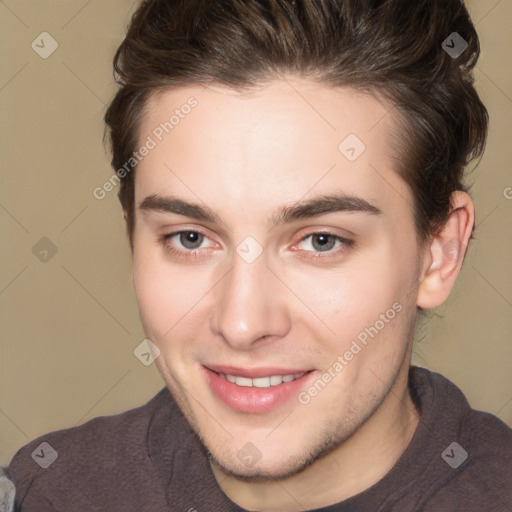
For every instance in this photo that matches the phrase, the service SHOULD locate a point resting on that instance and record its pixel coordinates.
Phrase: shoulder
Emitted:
(97, 437)
(483, 431)
(488, 448)
(477, 467)
(473, 449)
(95, 448)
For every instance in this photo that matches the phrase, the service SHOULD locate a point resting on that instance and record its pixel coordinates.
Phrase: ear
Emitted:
(445, 253)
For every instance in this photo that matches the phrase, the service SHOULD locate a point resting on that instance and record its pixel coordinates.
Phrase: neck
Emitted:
(352, 467)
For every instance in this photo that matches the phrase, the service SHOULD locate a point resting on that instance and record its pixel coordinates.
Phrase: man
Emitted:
(291, 179)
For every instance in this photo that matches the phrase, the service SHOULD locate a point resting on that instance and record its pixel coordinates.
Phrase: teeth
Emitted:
(261, 382)
(276, 380)
(243, 381)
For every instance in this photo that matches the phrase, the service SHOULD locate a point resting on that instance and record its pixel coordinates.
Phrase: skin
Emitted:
(244, 156)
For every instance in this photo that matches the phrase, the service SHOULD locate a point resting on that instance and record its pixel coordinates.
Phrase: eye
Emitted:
(189, 239)
(184, 243)
(189, 244)
(324, 242)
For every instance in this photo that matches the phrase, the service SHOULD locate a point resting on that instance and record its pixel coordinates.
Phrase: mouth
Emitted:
(255, 391)
(261, 382)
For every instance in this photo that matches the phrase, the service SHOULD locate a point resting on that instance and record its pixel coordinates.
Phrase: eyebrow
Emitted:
(321, 205)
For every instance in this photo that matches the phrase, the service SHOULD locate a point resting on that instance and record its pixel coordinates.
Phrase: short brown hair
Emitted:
(391, 48)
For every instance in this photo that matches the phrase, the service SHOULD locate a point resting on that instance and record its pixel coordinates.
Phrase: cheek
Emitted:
(160, 293)
(352, 294)
(351, 300)
(168, 295)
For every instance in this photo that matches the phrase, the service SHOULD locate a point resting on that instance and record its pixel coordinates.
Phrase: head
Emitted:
(292, 119)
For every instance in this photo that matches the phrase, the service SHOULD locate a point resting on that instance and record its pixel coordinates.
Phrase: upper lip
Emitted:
(254, 373)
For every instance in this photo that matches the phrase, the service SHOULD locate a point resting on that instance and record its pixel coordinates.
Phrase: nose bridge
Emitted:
(248, 305)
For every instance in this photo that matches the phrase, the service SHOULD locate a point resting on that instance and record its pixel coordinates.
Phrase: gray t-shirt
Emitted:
(148, 459)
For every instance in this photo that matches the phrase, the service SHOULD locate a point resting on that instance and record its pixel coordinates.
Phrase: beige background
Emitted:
(70, 325)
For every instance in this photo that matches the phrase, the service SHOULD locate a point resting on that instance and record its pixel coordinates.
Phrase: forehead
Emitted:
(308, 110)
(280, 141)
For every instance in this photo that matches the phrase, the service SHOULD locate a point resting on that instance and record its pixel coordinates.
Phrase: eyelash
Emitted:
(193, 253)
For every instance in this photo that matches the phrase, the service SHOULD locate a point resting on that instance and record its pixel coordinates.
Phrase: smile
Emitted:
(256, 391)
(261, 382)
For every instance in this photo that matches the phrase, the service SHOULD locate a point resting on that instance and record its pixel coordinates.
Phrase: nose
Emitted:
(250, 305)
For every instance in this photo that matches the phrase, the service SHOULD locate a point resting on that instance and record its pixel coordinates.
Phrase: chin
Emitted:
(277, 470)
(279, 467)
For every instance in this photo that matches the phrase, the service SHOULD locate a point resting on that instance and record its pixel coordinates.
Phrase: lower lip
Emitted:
(252, 399)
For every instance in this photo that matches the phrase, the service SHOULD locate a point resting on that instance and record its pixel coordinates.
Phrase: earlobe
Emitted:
(445, 253)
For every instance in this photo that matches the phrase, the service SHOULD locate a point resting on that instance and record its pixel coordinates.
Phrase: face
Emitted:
(281, 319)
